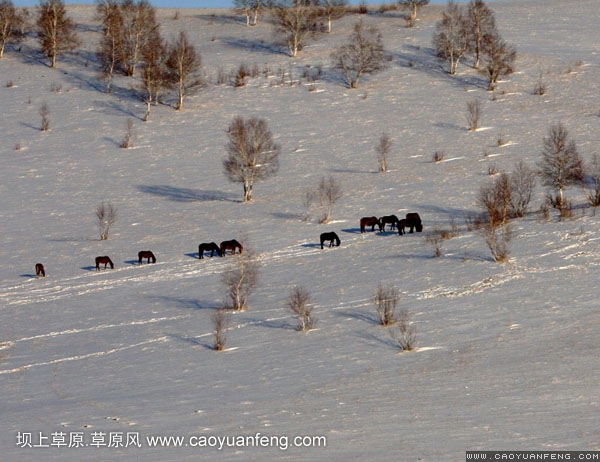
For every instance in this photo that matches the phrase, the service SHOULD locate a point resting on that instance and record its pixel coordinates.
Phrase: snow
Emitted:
(507, 353)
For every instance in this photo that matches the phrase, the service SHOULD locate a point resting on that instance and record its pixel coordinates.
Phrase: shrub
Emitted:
(386, 300)
(299, 302)
(221, 322)
(404, 332)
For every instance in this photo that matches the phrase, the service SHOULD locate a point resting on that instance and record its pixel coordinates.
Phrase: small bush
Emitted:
(438, 156)
(45, 113)
(386, 300)
(127, 141)
(299, 302)
(540, 87)
(221, 322)
(474, 108)
(240, 76)
(404, 332)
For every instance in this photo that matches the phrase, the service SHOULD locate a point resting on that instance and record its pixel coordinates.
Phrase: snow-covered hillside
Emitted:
(507, 353)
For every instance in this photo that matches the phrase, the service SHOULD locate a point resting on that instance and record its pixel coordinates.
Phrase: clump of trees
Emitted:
(131, 41)
(252, 153)
(473, 31)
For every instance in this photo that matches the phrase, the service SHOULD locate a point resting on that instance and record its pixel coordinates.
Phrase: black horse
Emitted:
(331, 237)
(391, 220)
(230, 245)
(368, 221)
(39, 270)
(146, 254)
(414, 222)
(208, 246)
(105, 260)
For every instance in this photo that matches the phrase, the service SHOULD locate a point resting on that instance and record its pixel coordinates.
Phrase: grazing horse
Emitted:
(205, 247)
(39, 270)
(230, 245)
(105, 260)
(414, 222)
(331, 237)
(402, 224)
(146, 254)
(368, 221)
(389, 219)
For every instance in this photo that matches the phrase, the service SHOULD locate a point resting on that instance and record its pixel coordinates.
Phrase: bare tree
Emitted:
(45, 112)
(451, 37)
(474, 109)
(383, 150)
(522, 183)
(253, 155)
(106, 214)
(481, 23)
(412, 6)
(154, 73)
(55, 30)
(111, 44)
(140, 30)
(499, 59)
(561, 165)
(300, 303)
(221, 322)
(386, 300)
(333, 9)
(295, 22)
(183, 63)
(363, 54)
(329, 192)
(241, 280)
(11, 22)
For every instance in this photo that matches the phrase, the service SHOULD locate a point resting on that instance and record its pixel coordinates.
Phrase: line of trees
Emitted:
(131, 40)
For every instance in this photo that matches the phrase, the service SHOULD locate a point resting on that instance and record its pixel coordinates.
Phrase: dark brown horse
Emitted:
(414, 222)
(391, 220)
(402, 225)
(104, 259)
(331, 237)
(368, 221)
(146, 254)
(230, 245)
(206, 246)
(39, 270)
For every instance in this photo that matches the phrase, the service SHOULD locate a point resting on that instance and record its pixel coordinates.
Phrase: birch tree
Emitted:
(55, 30)
(253, 155)
(183, 63)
